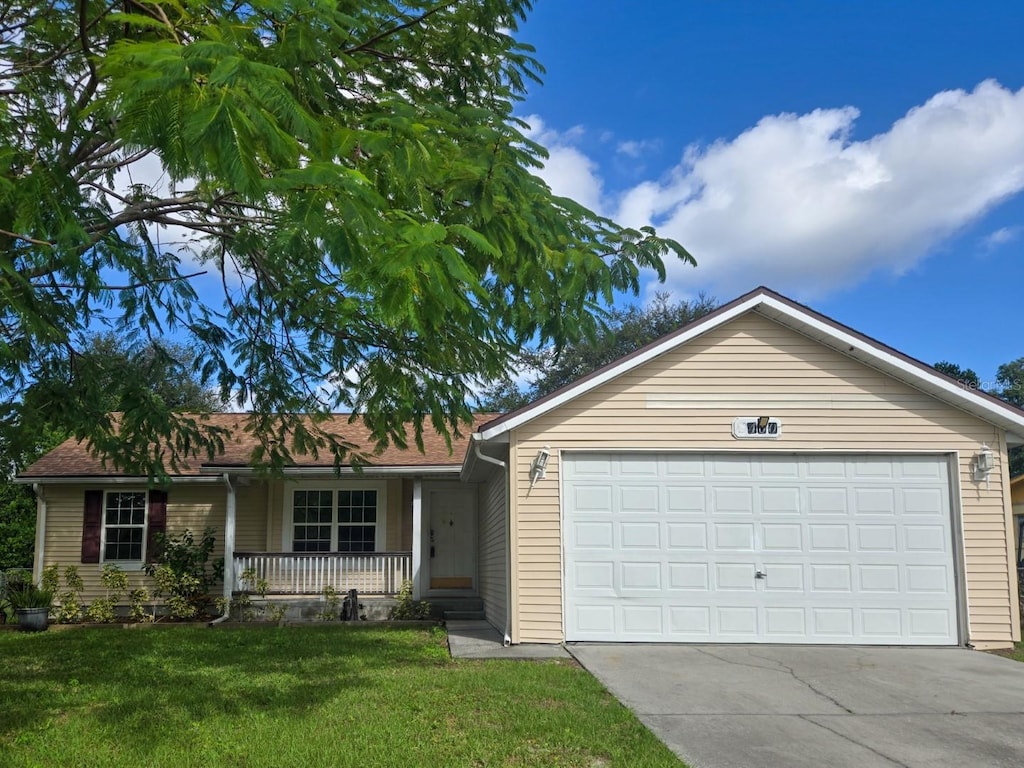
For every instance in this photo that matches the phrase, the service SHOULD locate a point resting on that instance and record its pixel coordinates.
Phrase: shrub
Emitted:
(408, 608)
(69, 600)
(115, 582)
(332, 605)
(183, 574)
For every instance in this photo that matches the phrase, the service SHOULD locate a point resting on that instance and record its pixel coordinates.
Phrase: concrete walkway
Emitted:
(479, 640)
(807, 707)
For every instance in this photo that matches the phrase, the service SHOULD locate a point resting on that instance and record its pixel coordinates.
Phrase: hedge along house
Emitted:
(764, 474)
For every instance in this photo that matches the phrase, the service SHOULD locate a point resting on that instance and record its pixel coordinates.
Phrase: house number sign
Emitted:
(756, 428)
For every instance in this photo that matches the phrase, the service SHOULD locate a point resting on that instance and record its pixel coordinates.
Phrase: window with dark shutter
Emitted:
(157, 521)
(92, 525)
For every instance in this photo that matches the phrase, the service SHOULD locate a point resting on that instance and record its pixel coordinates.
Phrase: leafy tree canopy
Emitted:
(965, 376)
(624, 331)
(111, 371)
(353, 173)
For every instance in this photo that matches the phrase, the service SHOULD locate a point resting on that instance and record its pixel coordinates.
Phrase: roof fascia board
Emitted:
(615, 370)
(368, 471)
(111, 479)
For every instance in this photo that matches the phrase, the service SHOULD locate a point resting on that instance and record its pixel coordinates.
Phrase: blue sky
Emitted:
(866, 158)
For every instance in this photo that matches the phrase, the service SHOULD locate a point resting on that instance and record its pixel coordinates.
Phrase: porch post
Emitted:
(229, 540)
(417, 536)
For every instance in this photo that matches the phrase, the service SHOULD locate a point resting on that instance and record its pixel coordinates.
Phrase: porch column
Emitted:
(229, 540)
(417, 536)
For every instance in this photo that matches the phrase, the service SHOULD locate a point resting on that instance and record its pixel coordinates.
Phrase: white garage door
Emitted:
(758, 548)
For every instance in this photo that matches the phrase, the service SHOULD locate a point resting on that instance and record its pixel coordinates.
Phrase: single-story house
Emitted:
(764, 474)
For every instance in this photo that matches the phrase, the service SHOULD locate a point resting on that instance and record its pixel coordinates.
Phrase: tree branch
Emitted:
(394, 30)
(130, 286)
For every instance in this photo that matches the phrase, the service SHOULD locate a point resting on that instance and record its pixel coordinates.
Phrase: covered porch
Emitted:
(300, 535)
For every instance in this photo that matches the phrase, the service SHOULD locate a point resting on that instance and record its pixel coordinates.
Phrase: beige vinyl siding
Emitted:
(750, 356)
(393, 523)
(251, 517)
(189, 507)
(492, 539)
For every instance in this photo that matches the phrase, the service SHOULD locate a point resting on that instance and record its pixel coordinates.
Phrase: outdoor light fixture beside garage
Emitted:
(984, 462)
(539, 466)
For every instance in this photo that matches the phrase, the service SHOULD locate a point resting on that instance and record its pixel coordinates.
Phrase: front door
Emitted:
(452, 538)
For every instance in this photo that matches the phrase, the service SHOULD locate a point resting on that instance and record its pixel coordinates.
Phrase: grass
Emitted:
(296, 696)
(1017, 654)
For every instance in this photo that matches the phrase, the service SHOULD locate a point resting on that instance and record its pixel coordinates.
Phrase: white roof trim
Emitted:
(367, 471)
(110, 479)
(792, 317)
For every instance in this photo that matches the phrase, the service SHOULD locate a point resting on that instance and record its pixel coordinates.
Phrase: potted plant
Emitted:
(31, 605)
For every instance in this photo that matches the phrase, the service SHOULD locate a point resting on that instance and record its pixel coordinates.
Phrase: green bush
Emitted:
(408, 608)
(183, 574)
(69, 600)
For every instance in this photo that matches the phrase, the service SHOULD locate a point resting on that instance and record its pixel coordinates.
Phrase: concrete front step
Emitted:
(464, 615)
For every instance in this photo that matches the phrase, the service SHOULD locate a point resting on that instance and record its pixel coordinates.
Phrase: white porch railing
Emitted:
(298, 573)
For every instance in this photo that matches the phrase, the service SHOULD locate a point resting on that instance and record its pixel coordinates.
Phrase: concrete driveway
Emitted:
(789, 707)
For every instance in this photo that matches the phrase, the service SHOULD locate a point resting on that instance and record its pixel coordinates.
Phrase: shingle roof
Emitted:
(72, 458)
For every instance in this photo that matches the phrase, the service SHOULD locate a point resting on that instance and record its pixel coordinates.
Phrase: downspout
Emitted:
(229, 550)
(37, 571)
(507, 640)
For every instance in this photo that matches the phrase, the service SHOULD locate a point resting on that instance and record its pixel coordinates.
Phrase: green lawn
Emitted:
(299, 696)
(1016, 654)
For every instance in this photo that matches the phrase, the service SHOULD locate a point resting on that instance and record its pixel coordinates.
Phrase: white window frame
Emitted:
(127, 565)
(288, 525)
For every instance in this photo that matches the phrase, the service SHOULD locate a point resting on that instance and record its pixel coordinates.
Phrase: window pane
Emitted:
(356, 538)
(124, 518)
(123, 544)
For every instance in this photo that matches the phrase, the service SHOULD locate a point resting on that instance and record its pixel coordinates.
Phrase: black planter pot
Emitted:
(33, 619)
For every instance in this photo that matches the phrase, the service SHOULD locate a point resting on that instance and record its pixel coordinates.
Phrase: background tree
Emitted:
(351, 172)
(1010, 378)
(1010, 387)
(625, 330)
(111, 371)
(965, 376)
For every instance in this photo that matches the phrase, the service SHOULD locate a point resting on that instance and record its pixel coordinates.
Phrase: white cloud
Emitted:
(634, 149)
(796, 203)
(1001, 236)
(568, 171)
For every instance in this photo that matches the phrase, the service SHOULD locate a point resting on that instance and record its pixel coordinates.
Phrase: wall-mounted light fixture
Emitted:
(984, 462)
(539, 465)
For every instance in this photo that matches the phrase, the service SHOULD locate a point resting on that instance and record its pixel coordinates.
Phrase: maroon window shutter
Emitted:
(92, 522)
(157, 520)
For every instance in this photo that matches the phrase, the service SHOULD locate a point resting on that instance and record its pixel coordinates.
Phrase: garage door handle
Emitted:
(760, 575)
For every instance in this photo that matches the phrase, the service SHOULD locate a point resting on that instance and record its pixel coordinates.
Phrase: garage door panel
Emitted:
(640, 535)
(731, 537)
(689, 576)
(782, 537)
(779, 501)
(691, 536)
(669, 547)
(827, 501)
(640, 576)
(877, 538)
(735, 576)
(828, 537)
(639, 499)
(683, 500)
(732, 500)
(591, 535)
(788, 623)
